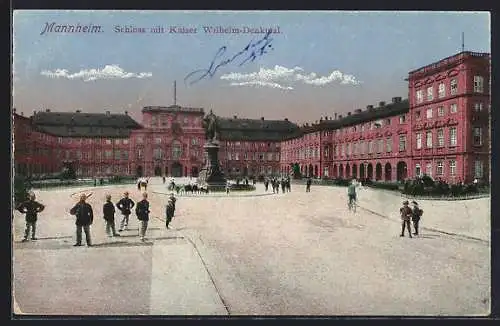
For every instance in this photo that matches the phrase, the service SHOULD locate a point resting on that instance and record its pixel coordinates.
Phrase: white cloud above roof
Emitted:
(108, 72)
(285, 78)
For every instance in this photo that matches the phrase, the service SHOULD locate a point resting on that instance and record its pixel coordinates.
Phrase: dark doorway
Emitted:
(194, 171)
(316, 171)
(347, 170)
(354, 171)
(139, 171)
(166, 171)
(401, 171)
(378, 171)
(335, 171)
(176, 170)
(310, 172)
(369, 172)
(245, 171)
(157, 171)
(362, 171)
(388, 172)
(341, 171)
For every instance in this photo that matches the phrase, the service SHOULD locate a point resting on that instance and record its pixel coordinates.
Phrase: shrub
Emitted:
(384, 185)
(241, 187)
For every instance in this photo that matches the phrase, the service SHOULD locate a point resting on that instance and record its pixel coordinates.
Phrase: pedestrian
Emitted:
(406, 214)
(139, 184)
(308, 185)
(169, 212)
(283, 185)
(125, 205)
(266, 184)
(173, 199)
(228, 186)
(164, 179)
(84, 218)
(417, 213)
(108, 211)
(31, 208)
(142, 212)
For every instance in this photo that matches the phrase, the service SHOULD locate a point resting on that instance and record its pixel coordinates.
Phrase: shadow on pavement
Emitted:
(122, 244)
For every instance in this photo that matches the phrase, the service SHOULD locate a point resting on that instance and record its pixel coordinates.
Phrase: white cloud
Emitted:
(108, 72)
(282, 77)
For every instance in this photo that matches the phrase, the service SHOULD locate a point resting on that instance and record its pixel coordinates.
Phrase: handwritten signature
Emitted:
(249, 52)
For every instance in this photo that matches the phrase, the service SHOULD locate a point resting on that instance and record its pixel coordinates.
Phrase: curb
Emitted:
(427, 228)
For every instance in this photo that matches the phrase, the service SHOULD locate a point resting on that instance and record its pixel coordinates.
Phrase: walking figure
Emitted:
(406, 214)
(169, 212)
(308, 185)
(84, 218)
(417, 214)
(351, 193)
(266, 184)
(31, 208)
(108, 210)
(142, 212)
(125, 205)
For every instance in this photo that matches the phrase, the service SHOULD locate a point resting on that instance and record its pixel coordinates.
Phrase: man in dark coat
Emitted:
(406, 214)
(31, 208)
(308, 184)
(108, 211)
(169, 212)
(416, 215)
(125, 205)
(142, 212)
(84, 218)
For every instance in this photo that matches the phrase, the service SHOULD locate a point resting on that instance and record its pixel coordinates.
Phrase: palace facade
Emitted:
(441, 130)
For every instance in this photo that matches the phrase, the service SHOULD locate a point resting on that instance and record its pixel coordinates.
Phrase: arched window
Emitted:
(176, 150)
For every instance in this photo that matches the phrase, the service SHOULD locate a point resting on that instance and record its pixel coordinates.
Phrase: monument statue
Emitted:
(210, 126)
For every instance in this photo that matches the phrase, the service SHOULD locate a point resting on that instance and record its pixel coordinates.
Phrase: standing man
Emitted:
(169, 211)
(416, 215)
(31, 208)
(406, 214)
(125, 205)
(108, 211)
(173, 199)
(308, 184)
(84, 218)
(351, 193)
(142, 212)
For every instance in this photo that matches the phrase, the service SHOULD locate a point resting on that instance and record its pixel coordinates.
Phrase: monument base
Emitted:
(211, 176)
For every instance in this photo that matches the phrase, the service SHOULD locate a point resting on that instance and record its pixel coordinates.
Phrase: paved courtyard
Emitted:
(296, 254)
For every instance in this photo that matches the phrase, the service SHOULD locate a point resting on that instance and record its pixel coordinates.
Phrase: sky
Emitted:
(312, 64)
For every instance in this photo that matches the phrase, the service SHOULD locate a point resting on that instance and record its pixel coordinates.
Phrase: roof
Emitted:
(388, 110)
(255, 129)
(79, 124)
(172, 108)
(453, 59)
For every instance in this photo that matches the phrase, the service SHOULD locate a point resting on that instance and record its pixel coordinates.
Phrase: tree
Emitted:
(296, 171)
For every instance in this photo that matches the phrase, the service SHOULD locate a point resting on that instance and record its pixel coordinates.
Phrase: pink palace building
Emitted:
(442, 130)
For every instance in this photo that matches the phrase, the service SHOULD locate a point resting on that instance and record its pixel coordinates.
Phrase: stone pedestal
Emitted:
(211, 174)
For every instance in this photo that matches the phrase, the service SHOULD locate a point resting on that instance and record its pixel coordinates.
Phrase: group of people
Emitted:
(276, 183)
(142, 183)
(85, 215)
(407, 213)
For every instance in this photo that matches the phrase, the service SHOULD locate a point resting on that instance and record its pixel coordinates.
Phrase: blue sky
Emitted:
(320, 63)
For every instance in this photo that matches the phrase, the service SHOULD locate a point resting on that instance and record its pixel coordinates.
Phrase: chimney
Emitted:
(235, 117)
(357, 111)
(286, 119)
(262, 118)
(348, 113)
(77, 111)
(47, 110)
(340, 116)
(22, 114)
(108, 113)
(396, 99)
(335, 116)
(34, 112)
(126, 112)
(381, 103)
(14, 110)
(369, 107)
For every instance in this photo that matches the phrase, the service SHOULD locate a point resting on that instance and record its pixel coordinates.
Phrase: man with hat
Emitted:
(416, 215)
(108, 211)
(31, 208)
(125, 205)
(169, 211)
(84, 218)
(142, 211)
(406, 214)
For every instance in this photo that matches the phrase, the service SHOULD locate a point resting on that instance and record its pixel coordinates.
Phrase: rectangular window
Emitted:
(125, 155)
(430, 93)
(478, 107)
(478, 169)
(125, 142)
(139, 153)
(441, 90)
(139, 140)
(453, 108)
(108, 141)
(428, 169)
(478, 84)
(477, 139)
(419, 140)
(380, 146)
(388, 122)
(370, 147)
(428, 139)
(453, 136)
(402, 143)
(440, 136)
(108, 154)
(158, 140)
(117, 155)
(402, 118)
(117, 142)
(420, 96)
(237, 156)
(453, 167)
(453, 86)
(389, 145)
(418, 170)
(440, 111)
(417, 115)
(439, 168)
(429, 113)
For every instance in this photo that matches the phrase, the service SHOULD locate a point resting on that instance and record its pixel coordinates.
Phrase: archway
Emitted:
(369, 171)
(378, 171)
(194, 171)
(245, 171)
(157, 171)
(401, 171)
(347, 170)
(310, 172)
(315, 170)
(185, 171)
(362, 171)
(341, 171)
(354, 171)
(176, 169)
(166, 171)
(388, 172)
(139, 171)
(335, 172)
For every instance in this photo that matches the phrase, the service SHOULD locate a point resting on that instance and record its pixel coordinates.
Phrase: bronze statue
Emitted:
(210, 126)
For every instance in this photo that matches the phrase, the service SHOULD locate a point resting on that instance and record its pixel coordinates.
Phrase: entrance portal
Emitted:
(157, 171)
(177, 170)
